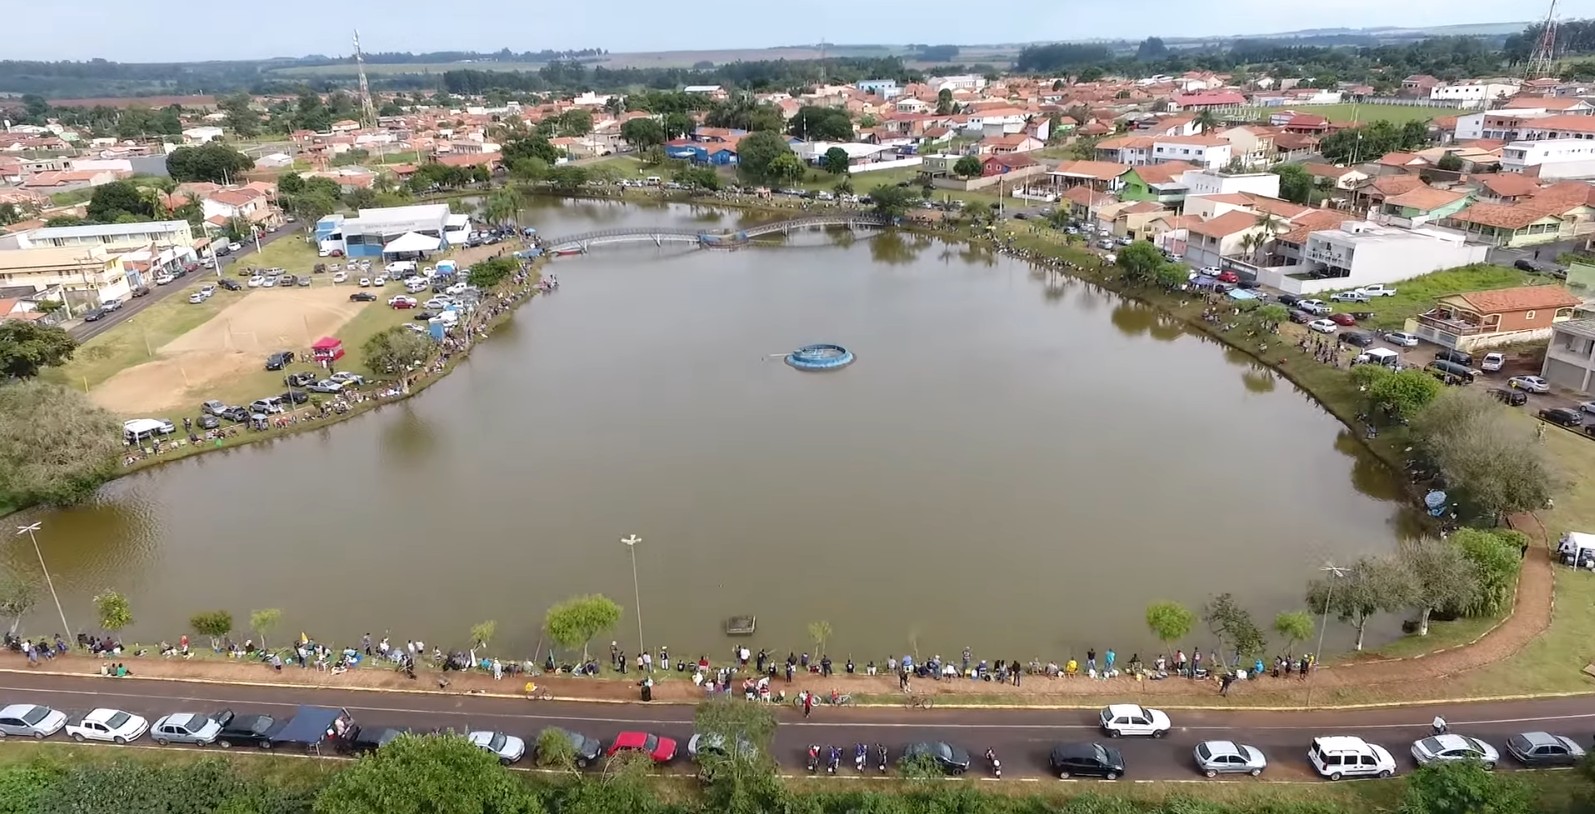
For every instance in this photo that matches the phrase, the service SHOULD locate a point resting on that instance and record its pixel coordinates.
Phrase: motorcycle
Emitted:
(860, 757)
(814, 759)
(836, 760)
(996, 765)
(880, 749)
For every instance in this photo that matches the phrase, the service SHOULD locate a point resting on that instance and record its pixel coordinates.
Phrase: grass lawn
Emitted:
(623, 166)
(1417, 295)
(291, 252)
(137, 339)
(401, 157)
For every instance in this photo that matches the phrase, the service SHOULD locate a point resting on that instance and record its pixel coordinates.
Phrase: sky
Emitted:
(170, 31)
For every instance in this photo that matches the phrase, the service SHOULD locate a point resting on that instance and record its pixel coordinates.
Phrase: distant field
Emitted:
(687, 59)
(395, 69)
(1399, 114)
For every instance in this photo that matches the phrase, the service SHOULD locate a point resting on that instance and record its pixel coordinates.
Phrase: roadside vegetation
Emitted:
(55, 446)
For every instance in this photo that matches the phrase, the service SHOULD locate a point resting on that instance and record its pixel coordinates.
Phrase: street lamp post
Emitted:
(30, 530)
(1323, 624)
(636, 589)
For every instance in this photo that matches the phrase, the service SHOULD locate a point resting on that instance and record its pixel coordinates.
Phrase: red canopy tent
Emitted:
(327, 349)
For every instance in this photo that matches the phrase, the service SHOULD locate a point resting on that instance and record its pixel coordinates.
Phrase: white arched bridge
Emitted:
(659, 236)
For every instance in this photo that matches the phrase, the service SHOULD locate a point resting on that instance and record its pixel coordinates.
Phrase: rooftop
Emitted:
(1576, 327)
(72, 256)
(101, 229)
(1527, 298)
(396, 214)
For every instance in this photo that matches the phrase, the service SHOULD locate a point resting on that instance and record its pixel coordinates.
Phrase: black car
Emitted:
(1361, 339)
(423, 316)
(140, 291)
(1530, 266)
(94, 315)
(1544, 749)
(279, 360)
(1300, 317)
(299, 379)
(1514, 398)
(238, 414)
(371, 738)
(587, 750)
(362, 296)
(229, 284)
(1563, 416)
(947, 757)
(1086, 760)
(246, 730)
(295, 396)
(1288, 300)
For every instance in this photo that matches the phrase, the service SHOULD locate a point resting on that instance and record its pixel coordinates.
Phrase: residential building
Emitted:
(1099, 175)
(366, 234)
(1129, 150)
(1210, 242)
(1207, 101)
(884, 88)
(1559, 212)
(1358, 253)
(1133, 219)
(1473, 93)
(1425, 204)
(1570, 357)
(1015, 143)
(1340, 179)
(1550, 159)
(82, 276)
(113, 237)
(225, 206)
(1206, 151)
(1208, 182)
(202, 135)
(1158, 183)
(1504, 316)
(1005, 164)
(1250, 145)
(1565, 126)
(1418, 85)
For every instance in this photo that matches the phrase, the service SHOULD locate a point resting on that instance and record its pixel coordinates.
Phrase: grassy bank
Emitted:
(1418, 295)
(137, 339)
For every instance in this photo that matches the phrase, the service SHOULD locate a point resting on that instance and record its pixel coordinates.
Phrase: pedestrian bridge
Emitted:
(581, 243)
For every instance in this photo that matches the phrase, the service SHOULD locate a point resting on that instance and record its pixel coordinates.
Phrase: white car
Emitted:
(1492, 362)
(256, 282)
(268, 282)
(1377, 290)
(30, 721)
(234, 247)
(323, 252)
(439, 302)
(105, 724)
(457, 289)
(1587, 407)
(1323, 326)
(1340, 756)
(365, 282)
(1401, 338)
(340, 277)
(185, 727)
(163, 278)
(1444, 748)
(196, 298)
(379, 281)
(345, 377)
(1533, 384)
(1348, 296)
(1133, 719)
(508, 748)
(1314, 307)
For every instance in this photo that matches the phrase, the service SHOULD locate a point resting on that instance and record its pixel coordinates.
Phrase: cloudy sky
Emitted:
(166, 30)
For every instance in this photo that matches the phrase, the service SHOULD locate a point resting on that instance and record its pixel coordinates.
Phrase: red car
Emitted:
(1228, 277)
(1343, 319)
(662, 750)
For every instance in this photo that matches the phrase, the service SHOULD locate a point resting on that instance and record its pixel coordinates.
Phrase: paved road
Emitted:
(1022, 737)
(84, 331)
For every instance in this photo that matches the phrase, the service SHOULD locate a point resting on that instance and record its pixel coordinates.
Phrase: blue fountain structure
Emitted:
(820, 357)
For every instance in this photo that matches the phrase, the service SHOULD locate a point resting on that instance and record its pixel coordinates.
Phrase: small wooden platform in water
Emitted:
(740, 625)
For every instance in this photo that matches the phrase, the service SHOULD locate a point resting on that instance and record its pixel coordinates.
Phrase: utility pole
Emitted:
(30, 530)
(631, 545)
(368, 111)
(1323, 624)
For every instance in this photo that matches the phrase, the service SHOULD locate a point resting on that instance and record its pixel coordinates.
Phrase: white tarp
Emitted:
(411, 242)
(1577, 541)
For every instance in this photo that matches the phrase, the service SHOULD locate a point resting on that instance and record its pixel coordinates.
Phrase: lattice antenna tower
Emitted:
(368, 111)
(822, 63)
(1542, 62)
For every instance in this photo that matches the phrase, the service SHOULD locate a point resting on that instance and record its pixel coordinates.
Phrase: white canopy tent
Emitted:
(412, 243)
(1577, 547)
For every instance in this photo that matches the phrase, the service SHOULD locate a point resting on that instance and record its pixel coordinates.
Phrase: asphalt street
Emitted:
(1022, 738)
(85, 331)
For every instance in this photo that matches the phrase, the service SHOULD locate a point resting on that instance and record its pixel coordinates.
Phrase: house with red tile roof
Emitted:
(1215, 100)
(1502, 316)
(1563, 211)
(1342, 179)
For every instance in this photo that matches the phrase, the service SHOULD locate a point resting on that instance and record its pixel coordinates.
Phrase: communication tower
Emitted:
(368, 111)
(1542, 62)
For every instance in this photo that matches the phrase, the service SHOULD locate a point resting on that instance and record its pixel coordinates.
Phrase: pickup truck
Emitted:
(308, 729)
(1377, 290)
(104, 724)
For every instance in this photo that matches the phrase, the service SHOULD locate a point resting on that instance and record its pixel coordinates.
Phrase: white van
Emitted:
(140, 429)
(1380, 356)
(1340, 756)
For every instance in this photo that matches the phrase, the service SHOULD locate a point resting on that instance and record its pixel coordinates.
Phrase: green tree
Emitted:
(567, 178)
(757, 154)
(739, 764)
(1140, 262)
(1370, 586)
(82, 442)
(1464, 787)
(978, 212)
(967, 167)
(1170, 276)
(577, 620)
(699, 178)
(17, 597)
(643, 133)
(213, 624)
(836, 161)
(491, 272)
(26, 347)
(264, 621)
(819, 633)
(482, 633)
(114, 611)
(242, 117)
(214, 162)
(1406, 392)
(944, 102)
(891, 201)
(1496, 557)
(678, 125)
(787, 168)
(812, 123)
(1443, 577)
(575, 122)
(427, 774)
(119, 202)
(1450, 162)
(1293, 627)
(1295, 185)
(920, 768)
(1233, 624)
(554, 750)
(397, 350)
(529, 147)
(501, 206)
(1484, 452)
(1169, 621)
(1272, 313)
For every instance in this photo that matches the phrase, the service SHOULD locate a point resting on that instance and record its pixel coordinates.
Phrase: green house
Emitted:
(1158, 183)
(1426, 203)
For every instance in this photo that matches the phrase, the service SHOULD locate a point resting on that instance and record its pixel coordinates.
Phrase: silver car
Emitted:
(186, 727)
(30, 720)
(1214, 758)
(1445, 748)
(507, 748)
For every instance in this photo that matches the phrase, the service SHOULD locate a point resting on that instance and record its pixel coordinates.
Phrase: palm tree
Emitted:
(1206, 119)
(1270, 226)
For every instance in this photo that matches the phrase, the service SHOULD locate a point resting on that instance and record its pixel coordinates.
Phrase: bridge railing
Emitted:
(862, 219)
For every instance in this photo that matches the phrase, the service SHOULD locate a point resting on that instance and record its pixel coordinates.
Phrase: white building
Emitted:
(365, 235)
(1557, 158)
(1500, 125)
(1207, 182)
(1210, 152)
(1570, 357)
(1362, 253)
(83, 277)
(120, 165)
(109, 236)
(968, 81)
(1472, 94)
(202, 135)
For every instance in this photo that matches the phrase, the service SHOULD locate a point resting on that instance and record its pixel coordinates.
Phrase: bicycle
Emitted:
(920, 701)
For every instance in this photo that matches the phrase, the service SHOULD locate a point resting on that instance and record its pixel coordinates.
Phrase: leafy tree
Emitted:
(577, 620)
(944, 102)
(819, 633)
(501, 206)
(678, 125)
(214, 624)
(263, 621)
(1169, 621)
(529, 147)
(978, 211)
(787, 168)
(114, 610)
(1233, 624)
(757, 153)
(624, 786)
(17, 597)
(1140, 262)
(744, 114)
(567, 178)
(836, 161)
(1272, 313)
(1496, 557)
(491, 272)
(56, 446)
(643, 133)
(427, 774)
(1464, 787)
(1151, 49)
(25, 347)
(1293, 627)
(1450, 162)
(1404, 393)
(1170, 276)
(1443, 577)
(741, 772)
(920, 767)
(1295, 185)
(555, 751)
(1484, 452)
(358, 198)
(967, 167)
(214, 162)
(119, 202)
(482, 633)
(1371, 585)
(575, 122)
(396, 350)
(813, 123)
(699, 178)
(891, 201)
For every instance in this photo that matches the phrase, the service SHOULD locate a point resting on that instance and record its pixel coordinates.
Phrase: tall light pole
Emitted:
(1323, 624)
(636, 589)
(30, 530)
